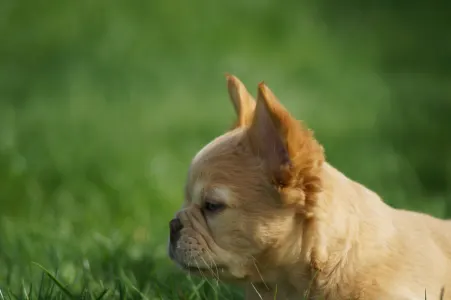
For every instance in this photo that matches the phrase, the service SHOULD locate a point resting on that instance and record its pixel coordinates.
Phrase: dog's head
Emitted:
(248, 192)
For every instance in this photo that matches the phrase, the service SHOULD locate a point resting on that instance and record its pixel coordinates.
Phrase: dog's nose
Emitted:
(175, 226)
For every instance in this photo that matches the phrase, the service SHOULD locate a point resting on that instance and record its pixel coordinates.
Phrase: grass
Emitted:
(51, 287)
(90, 228)
(103, 105)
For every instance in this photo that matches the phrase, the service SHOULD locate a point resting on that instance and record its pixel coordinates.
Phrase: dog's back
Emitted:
(394, 254)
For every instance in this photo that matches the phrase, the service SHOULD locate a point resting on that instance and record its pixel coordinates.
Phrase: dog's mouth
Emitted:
(205, 270)
(214, 269)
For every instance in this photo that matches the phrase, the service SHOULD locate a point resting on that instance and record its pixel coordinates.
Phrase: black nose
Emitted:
(175, 226)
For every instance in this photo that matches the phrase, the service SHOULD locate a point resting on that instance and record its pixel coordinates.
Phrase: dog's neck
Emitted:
(330, 247)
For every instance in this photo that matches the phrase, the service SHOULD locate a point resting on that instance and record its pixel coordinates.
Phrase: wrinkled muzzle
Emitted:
(193, 249)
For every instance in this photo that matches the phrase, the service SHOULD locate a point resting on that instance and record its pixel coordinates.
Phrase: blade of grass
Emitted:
(53, 278)
(121, 289)
(130, 284)
(12, 295)
(49, 291)
(30, 291)
(25, 290)
(102, 294)
(195, 291)
(41, 284)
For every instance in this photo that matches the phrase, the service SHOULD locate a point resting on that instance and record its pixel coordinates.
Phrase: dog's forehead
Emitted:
(217, 147)
(209, 160)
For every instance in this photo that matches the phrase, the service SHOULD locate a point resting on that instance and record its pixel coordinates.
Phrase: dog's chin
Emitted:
(221, 272)
(192, 269)
(217, 272)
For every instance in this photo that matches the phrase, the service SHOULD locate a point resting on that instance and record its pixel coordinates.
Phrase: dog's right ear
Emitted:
(242, 100)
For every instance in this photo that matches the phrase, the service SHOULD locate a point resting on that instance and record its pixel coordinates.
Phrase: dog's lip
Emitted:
(197, 269)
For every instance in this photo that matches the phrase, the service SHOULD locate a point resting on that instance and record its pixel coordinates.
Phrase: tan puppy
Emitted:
(263, 207)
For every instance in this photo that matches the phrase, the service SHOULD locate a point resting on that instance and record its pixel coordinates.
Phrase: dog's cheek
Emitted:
(234, 233)
(270, 232)
(248, 237)
(235, 241)
(243, 243)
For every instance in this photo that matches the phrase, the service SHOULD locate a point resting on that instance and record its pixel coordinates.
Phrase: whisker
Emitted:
(203, 275)
(198, 268)
(213, 262)
(258, 271)
(209, 268)
(257, 291)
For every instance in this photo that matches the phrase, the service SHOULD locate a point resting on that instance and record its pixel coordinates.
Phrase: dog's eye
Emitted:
(213, 207)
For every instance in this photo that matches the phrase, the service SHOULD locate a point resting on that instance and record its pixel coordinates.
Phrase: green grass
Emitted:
(51, 286)
(103, 105)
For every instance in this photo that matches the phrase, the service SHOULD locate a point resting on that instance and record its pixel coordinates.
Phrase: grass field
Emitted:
(102, 106)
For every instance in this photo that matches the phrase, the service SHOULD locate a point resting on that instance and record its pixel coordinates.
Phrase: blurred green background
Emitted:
(103, 104)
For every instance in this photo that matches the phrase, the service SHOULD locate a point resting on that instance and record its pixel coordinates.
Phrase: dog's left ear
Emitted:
(242, 100)
(290, 153)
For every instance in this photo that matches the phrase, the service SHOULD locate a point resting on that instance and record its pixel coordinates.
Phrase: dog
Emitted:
(264, 208)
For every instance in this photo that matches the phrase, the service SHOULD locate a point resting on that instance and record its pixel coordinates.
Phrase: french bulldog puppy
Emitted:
(264, 208)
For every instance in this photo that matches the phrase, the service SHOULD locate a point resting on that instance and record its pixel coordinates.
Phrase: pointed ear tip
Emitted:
(232, 79)
(234, 83)
(262, 88)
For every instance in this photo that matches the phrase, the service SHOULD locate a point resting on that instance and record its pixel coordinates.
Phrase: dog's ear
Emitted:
(267, 133)
(243, 102)
(289, 151)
